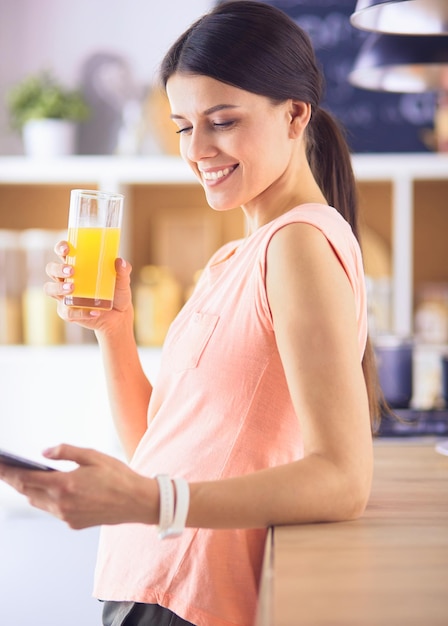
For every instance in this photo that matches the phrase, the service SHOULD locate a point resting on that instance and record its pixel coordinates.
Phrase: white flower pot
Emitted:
(49, 138)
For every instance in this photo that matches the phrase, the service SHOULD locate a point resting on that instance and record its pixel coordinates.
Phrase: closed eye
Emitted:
(223, 124)
(215, 125)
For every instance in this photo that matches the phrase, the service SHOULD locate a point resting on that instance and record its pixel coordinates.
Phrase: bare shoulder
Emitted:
(301, 253)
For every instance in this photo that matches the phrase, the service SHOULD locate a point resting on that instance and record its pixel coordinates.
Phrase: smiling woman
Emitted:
(263, 408)
(225, 143)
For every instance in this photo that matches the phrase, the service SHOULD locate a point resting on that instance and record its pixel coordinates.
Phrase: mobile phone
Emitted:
(18, 461)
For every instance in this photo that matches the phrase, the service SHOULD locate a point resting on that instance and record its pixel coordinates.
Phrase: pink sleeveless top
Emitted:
(220, 408)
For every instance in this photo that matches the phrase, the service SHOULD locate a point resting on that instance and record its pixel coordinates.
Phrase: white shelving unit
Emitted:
(116, 173)
(402, 170)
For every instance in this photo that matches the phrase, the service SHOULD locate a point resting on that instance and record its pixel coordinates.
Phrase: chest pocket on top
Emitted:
(187, 348)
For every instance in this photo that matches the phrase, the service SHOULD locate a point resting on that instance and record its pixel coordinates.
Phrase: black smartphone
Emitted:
(17, 461)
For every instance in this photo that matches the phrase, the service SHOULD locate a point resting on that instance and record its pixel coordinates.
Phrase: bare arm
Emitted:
(128, 387)
(129, 390)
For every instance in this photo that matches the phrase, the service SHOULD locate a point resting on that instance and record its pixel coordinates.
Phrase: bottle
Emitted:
(189, 290)
(11, 286)
(158, 299)
(431, 315)
(394, 357)
(41, 322)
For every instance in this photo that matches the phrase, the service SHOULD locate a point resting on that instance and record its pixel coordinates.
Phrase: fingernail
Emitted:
(94, 313)
(67, 270)
(67, 286)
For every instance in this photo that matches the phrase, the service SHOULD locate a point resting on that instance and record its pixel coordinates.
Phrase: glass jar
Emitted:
(11, 286)
(158, 299)
(394, 357)
(41, 322)
(431, 315)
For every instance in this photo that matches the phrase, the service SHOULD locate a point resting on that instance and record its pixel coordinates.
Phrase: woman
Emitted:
(261, 407)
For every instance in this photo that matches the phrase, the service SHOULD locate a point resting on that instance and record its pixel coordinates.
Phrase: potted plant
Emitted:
(46, 113)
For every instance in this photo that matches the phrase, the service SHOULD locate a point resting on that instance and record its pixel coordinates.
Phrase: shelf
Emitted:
(106, 171)
(415, 423)
(177, 197)
(171, 169)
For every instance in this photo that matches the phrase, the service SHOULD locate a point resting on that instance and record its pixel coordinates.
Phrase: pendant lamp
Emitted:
(411, 64)
(402, 17)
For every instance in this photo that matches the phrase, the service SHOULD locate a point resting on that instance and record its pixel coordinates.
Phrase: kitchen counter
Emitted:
(388, 568)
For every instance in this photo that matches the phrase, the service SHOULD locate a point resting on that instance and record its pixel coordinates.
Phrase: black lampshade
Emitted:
(400, 63)
(405, 17)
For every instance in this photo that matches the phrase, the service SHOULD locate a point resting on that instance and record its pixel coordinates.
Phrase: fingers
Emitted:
(58, 288)
(58, 272)
(24, 480)
(123, 268)
(98, 491)
(62, 248)
(122, 297)
(81, 456)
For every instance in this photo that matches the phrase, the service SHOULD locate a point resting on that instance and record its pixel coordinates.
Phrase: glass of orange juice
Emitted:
(94, 226)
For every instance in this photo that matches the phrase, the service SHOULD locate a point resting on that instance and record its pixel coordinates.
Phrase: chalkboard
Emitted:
(374, 121)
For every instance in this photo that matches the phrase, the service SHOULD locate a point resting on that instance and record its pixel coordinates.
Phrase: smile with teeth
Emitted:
(218, 174)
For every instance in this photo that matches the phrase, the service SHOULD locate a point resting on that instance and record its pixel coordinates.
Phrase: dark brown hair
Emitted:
(258, 48)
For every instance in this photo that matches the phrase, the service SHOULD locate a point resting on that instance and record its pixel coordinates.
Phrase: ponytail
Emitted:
(330, 162)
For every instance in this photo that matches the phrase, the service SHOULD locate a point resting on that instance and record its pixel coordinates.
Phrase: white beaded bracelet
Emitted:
(172, 517)
(166, 502)
(181, 509)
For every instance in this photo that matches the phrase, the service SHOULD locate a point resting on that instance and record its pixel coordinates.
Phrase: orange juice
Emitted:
(92, 253)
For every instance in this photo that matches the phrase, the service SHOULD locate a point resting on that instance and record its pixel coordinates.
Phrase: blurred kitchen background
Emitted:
(51, 381)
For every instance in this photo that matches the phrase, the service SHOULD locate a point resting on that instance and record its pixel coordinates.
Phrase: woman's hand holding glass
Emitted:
(99, 320)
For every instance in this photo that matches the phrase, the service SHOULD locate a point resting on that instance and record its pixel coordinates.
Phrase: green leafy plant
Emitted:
(41, 97)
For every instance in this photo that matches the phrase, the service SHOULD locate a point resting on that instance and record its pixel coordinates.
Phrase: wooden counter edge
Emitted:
(388, 454)
(264, 609)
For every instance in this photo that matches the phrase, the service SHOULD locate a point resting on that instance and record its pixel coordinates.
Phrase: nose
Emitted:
(199, 145)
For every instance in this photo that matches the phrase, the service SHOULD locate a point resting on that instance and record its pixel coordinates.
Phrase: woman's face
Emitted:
(237, 143)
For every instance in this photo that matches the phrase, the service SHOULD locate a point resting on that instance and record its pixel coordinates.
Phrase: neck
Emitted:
(284, 195)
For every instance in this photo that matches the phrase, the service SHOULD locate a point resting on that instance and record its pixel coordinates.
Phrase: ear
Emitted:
(300, 114)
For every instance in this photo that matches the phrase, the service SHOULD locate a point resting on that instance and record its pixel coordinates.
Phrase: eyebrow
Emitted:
(210, 111)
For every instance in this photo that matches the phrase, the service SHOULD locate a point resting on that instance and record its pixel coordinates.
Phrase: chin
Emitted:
(220, 204)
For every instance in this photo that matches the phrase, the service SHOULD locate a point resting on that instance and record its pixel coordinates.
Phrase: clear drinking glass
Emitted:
(94, 228)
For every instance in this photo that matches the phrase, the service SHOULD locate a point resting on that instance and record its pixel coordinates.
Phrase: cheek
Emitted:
(183, 151)
(273, 161)
(183, 148)
(270, 145)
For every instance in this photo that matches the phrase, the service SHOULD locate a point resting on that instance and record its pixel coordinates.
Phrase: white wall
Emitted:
(60, 34)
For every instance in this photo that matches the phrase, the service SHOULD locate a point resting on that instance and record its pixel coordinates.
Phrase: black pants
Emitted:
(137, 614)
